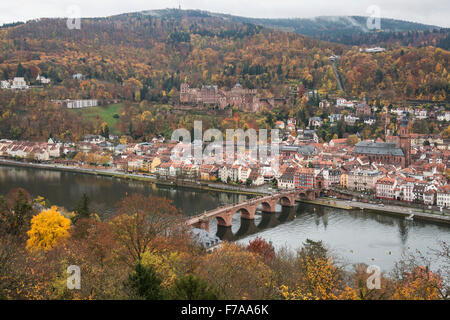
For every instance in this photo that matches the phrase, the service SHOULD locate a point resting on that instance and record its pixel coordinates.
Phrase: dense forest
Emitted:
(352, 30)
(158, 53)
(142, 58)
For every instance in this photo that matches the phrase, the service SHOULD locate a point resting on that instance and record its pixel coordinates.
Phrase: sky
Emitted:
(434, 12)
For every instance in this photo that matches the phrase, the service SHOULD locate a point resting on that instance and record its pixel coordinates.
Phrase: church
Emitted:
(394, 153)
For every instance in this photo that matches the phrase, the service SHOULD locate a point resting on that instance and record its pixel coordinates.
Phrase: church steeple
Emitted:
(405, 139)
(404, 126)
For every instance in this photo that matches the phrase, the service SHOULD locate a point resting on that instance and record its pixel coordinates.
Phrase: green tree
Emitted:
(190, 287)
(144, 283)
(82, 210)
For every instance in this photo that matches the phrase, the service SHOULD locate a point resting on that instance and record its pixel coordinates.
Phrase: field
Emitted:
(106, 114)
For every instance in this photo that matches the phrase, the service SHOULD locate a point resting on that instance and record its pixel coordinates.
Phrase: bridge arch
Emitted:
(268, 206)
(247, 213)
(224, 220)
(286, 201)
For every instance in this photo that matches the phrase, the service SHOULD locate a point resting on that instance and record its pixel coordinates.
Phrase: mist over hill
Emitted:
(349, 30)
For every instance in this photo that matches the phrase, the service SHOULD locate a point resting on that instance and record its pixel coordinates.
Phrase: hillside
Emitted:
(162, 52)
(352, 30)
(142, 58)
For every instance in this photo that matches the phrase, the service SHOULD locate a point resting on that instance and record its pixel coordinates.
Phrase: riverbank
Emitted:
(404, 212)
(135, 177)
(334, 203)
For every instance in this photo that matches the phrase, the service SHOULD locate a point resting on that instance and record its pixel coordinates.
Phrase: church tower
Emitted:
(405, 140)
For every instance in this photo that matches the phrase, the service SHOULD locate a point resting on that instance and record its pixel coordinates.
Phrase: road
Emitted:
(338, 77)
(404, 211)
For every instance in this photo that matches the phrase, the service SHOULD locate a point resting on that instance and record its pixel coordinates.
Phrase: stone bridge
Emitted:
(247, 209)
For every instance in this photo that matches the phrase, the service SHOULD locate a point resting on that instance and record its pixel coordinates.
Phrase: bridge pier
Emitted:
(225, 220)
(288, 201)
(248, 212)
(270, 205)
(202, 224)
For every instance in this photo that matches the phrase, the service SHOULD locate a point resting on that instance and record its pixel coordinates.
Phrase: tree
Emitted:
(140, 219)
(16, 211)
(352, 140)
(47, 229)
(420, 284)
(104, 130)
(190, 287)
(144, 283)
(238, 273)
(319, 277)
(262, 247)
(82, 210)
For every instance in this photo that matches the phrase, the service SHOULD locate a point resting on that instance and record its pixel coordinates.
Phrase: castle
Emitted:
(243, 99)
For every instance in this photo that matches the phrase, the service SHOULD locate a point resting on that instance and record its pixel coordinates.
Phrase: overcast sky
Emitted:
(435, 12)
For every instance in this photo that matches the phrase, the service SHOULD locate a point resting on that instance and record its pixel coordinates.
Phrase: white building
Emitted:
(351, 120)
(444, 116)
(5, 84)
(224, 174)
(374, 50)
(361, 180)
(385, 188)
(78, 76)
(370, 121)
(78, 104)
(443, 196)
(19, 84)
(42, 79)
(421, 114)
(341, 102)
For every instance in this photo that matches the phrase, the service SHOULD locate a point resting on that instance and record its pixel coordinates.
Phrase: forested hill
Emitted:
(147, 55)
(352, 30)
(161, 52)
(142, 58)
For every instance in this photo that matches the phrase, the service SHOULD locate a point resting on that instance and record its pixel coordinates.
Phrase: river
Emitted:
(354, 236)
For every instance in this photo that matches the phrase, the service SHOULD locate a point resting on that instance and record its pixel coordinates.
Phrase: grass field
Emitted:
(106, 113)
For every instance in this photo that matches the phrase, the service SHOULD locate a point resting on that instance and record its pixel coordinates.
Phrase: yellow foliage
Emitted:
(419, 285)
(47, 228)
(319, 282)
(166, 264)
(238, 273)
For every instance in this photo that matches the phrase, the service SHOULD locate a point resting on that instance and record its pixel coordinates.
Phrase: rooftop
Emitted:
(378, 148)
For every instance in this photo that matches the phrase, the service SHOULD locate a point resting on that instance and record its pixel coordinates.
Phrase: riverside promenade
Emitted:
(406, 212)
(113, 173)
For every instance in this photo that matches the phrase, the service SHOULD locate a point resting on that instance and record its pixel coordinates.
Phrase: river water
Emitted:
(354, 236)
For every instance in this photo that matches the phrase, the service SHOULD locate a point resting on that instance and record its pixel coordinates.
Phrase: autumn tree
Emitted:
(319, 277)
(414, 279)
(47, 228)
(262, 247)
(360, 277)
(140, 219)
(420, 284)
(238, 273)
(352, 140)
(16, 211)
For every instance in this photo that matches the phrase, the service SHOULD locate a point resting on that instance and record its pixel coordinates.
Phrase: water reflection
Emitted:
(244, 227)
(357, 236)
(66, 189)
